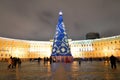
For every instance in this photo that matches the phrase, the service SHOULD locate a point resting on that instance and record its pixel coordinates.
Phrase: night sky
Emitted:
(37, 19)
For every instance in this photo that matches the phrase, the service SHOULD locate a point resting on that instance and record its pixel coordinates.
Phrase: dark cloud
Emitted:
(37, 19)
(46, 17)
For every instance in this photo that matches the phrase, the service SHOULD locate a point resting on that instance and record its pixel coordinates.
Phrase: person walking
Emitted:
(113, 62)
(10, 63)
(50, 59)
(79, 61)
(19, 62)
(39, 59)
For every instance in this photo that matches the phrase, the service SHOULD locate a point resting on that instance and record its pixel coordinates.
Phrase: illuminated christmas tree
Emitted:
(61, 49)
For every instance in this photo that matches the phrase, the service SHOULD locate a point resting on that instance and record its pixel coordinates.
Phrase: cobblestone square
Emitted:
(96, 70)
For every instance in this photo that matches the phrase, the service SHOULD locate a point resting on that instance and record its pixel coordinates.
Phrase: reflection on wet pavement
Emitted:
(60, 71)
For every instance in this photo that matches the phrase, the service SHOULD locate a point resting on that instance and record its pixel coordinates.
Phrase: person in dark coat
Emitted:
(39, 60)
(50, 59)
(113, 62)
(10, 63)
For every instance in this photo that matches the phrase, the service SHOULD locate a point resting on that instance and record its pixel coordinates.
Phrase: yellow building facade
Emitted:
(95, 48)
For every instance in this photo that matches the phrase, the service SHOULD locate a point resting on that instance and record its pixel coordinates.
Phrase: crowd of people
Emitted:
(13, 62)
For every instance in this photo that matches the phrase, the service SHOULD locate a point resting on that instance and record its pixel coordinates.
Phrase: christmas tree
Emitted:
(61, 49)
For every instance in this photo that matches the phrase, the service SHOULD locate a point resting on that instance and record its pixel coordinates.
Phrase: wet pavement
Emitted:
(96, 70)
